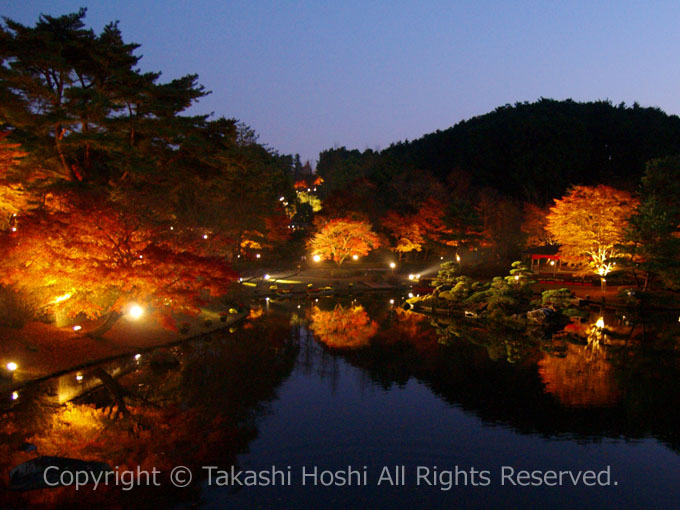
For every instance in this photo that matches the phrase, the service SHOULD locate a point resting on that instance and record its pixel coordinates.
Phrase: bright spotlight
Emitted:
(135, 312)
(392, 265)
(355, 257)
(316, 258)
(11, 366)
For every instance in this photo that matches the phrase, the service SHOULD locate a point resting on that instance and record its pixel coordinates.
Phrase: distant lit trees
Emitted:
(589, 222)
(341, 238)
(534, 222)
(406, 232)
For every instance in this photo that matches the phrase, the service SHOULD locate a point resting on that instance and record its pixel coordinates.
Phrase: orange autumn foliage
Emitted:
(343, 328)
(88, 256)
(589, 224)
(583, 378)
(406, 231)
(341, 238)
(13, 197)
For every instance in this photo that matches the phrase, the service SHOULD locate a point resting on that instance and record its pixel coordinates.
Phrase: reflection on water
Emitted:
(362, 376)
(584, 377)
(191, 405)
(342, 327)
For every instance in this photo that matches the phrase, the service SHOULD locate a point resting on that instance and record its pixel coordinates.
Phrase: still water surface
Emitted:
(447, 407)
(362, 385)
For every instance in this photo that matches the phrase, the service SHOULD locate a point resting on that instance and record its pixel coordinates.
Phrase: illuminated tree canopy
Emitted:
(339, 239)
(109, 191)
(88, 256)
(589, 223)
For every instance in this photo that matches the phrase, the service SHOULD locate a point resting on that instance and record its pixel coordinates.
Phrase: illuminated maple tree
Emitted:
(430, 218)
(589, 221)
(339, 239)
(406, 232)
(13, 196)
(85, 255)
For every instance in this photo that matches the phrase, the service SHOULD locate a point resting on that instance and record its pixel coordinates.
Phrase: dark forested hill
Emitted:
(529, 151)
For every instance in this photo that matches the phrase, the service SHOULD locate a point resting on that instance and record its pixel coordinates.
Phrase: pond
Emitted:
(357, 403)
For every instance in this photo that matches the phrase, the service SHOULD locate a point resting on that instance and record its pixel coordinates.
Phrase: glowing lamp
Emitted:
(205, 236)
(15, 395)
(77, 327)
(257, 256)
(411, 276)
(135, 312)
(267, 277)
(138, 357)
(600, 323)
(516, 277)
(316, 258)
(552, 262)
(392, 265)
(457, 258)
(417, 277)
(391, 301)
(281, 199)
(410, 294)
(355, 257)
(79, 377)
(11, 366)
(14, 229)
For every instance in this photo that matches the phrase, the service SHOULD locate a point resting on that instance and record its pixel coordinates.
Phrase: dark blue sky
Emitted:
(311, 75)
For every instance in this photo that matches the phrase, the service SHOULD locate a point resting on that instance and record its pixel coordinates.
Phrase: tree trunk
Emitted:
(108, 323)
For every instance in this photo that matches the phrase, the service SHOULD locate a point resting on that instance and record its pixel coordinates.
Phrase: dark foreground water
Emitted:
(361, 405)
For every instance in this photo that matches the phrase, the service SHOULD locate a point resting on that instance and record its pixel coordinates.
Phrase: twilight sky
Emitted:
(311, 75)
